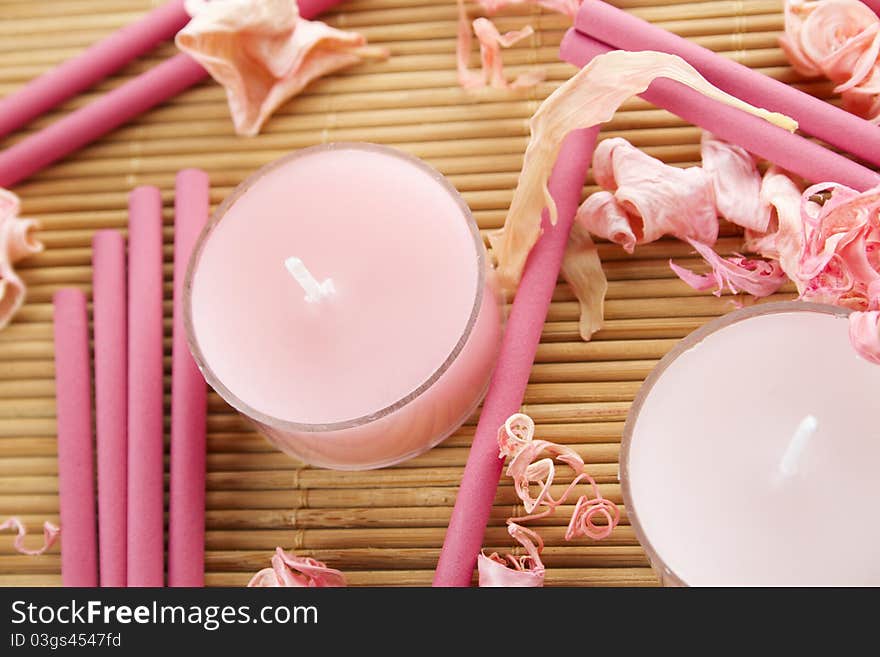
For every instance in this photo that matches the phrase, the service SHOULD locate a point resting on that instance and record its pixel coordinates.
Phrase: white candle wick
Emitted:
(797, 445)
(314, 290)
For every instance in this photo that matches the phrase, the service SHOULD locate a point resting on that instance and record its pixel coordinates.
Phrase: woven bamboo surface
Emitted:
(380, 527)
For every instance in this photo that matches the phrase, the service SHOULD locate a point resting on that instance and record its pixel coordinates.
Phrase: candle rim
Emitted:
(669, 576)
(242, 188)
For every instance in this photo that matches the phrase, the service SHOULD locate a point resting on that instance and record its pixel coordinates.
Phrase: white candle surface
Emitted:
(751, 455)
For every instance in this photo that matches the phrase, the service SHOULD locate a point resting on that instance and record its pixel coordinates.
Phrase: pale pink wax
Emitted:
(701, 470)
(392, 361)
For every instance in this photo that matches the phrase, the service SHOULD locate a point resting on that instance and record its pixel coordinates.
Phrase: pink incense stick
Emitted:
(792, 152)
(874, 5)
(94, 64)
(73, 385)
(473, 504)
(838, 127)
(145, 545)
(186, 512)
(111, 401)
(83, 126)
(118, 106)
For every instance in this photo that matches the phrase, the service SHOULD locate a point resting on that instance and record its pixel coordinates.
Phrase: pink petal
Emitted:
(864, 333)
(264, 53)
(786, 242)
(590, 97)
(759, 278)
(659, 198)
(602, 215)
(795, 14)
(495, 572)
(50, 535)
(466, 78)
(508, 570)
(491, 42)
(736, 182)
(826, 31)
(583, 518)
(839, 263)
(17, 241)
(841, 40)
(289, 570)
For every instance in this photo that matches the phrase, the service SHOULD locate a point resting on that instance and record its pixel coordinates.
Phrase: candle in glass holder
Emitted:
(341, 299)
(750, 455)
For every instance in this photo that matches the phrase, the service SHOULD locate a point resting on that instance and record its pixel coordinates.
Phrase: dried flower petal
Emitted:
(837, 264)
(516, 440)
(17, 241)
(659, 199)
(508, 570)
(264, 53)
(759, 278)
(602, 215)
(582, 269)
(583, 519)
(736, 182)
(786, 242)
(491, 42)
(864, 333)
(292, 571)
(590, 97)
(50, 535)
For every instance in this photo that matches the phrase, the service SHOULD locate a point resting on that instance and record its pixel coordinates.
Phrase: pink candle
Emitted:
(76, 486)
(111, 403)
(145, 547)
(341, 299)
(186, 509)
(752, 448)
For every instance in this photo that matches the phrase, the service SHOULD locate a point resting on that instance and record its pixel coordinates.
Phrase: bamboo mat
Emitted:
(380, 527)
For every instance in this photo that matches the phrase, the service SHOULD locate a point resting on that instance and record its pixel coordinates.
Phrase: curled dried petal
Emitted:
(509, 570)
(516, 432)
(528, 470)
(264, 53)
(786, 242)
(759, 278)
(583, 518)
(658, 198)
(864, 333)
(838, 262)
(50, 535)
(602, 215)
(289, 570)
(491, 42)
(736, 182)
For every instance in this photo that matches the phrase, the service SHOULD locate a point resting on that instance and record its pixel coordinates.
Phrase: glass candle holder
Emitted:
(750, 454)
(341, 299)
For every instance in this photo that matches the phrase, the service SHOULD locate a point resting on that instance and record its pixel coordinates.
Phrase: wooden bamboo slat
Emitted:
(381, 527)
